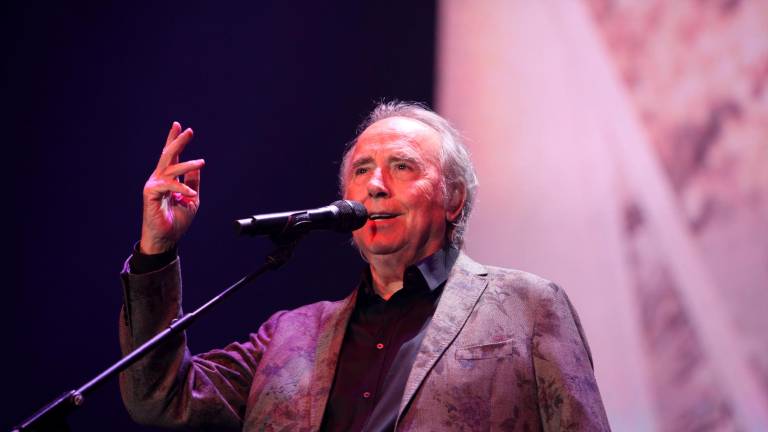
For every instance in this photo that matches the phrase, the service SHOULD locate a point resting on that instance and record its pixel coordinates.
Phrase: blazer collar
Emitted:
(466, 282)
(333, 325)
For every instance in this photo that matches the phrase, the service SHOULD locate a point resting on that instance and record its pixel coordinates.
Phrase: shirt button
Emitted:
(379, 345)
(366, 395)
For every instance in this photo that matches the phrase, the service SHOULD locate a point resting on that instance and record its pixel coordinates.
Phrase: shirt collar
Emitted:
(433, 269)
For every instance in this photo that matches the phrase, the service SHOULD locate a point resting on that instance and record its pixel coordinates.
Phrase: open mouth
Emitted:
(381, 216)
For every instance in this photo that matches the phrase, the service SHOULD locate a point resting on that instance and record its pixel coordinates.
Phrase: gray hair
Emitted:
(455, 163)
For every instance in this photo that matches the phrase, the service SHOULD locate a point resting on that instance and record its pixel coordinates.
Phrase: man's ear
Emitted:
(458, 197)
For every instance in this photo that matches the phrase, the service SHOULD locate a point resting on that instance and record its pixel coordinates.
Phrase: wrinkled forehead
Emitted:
(398, 135)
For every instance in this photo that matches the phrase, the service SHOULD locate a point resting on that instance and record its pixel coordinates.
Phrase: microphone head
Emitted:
(352, 215)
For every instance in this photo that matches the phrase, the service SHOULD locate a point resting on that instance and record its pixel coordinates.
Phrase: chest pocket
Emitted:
(505, 348)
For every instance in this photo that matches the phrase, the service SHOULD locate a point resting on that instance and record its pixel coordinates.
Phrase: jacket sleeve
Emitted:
(169, 387)
(568, 396)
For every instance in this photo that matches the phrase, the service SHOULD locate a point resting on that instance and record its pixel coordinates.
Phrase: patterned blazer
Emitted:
(504, 351)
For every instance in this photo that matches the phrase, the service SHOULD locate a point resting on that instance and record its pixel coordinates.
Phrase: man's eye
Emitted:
(361, 171)
(401, 166)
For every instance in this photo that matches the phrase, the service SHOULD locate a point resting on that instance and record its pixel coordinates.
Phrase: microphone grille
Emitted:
(352, 215)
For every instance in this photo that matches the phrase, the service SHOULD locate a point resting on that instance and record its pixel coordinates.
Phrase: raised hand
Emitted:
(170, 204)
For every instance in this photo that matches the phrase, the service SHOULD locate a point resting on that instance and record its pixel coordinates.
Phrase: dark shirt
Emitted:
(380, 346)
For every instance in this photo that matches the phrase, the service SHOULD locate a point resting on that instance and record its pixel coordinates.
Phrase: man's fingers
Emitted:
(174, 149)
(173, 133)
(178, 144)
(184, 167)
(182, 189)
(192, 179)
(158, 189)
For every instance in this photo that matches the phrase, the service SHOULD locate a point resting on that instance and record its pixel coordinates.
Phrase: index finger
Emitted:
(173, 133)
(172, 151)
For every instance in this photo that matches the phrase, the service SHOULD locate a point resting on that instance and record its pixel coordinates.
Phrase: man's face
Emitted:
(394, 170)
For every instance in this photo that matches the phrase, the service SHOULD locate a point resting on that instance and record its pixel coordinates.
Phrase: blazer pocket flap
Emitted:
(504, 348)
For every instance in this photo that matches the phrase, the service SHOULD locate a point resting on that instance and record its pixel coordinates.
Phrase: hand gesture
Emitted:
(170, 203)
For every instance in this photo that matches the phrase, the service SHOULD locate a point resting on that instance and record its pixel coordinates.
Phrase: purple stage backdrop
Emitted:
(273, 90)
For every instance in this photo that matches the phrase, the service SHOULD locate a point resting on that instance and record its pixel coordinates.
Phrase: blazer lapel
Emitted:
(330, 336)
(462, 290)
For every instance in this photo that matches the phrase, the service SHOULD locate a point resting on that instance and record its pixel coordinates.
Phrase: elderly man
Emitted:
(429, 340)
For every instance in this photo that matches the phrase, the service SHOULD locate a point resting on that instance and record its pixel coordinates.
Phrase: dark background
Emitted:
(273, 91)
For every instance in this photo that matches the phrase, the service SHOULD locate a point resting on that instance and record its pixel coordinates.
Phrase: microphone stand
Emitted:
(52, 417)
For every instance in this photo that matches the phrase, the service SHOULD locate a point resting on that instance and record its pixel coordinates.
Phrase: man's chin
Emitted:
(380, 249)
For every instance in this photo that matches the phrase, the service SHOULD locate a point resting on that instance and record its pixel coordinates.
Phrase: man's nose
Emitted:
(377, 185)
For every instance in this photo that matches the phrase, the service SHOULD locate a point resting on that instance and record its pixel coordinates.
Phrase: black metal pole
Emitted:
(52, 417)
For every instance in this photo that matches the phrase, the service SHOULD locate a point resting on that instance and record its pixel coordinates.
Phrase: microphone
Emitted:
(340, 216)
